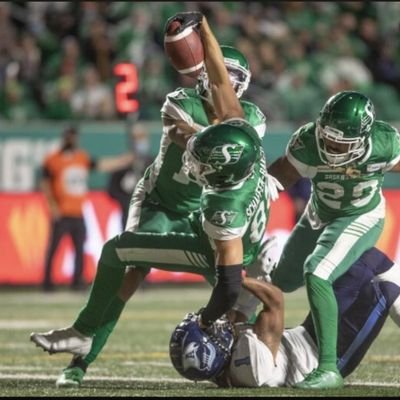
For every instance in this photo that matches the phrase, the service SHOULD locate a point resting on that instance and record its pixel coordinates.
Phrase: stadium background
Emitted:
(53, 55)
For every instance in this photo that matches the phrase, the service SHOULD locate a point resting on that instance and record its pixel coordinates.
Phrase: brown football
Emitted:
(184, 49)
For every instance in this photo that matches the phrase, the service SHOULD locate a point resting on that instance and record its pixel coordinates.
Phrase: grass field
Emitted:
(136, 364)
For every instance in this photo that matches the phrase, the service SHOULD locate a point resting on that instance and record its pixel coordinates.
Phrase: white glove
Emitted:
(273, 187)
(246, 303)
(267, 260)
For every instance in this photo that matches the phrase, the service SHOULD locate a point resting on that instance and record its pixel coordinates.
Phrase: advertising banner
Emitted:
(25, 229)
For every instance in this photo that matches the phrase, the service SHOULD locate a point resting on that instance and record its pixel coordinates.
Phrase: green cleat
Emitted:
(71, 377)
(321, 379)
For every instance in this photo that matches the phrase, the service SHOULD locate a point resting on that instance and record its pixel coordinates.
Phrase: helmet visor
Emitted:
(336, 149)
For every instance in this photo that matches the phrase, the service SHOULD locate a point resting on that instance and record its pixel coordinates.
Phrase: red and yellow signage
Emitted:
(25, 229)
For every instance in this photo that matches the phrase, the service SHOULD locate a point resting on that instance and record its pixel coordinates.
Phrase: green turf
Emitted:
(135, 362)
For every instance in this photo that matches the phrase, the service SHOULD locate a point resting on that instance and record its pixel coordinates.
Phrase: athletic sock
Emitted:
(324, 311)
(110, 319)
(105, 287)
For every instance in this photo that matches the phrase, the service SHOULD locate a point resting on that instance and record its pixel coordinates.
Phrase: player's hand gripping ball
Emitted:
(183, 46)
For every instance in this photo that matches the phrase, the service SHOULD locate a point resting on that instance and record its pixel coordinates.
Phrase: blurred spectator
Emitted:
(153, 86)
(99, 48)
(59, 99)
(92, 99)
(16, 103)
(64, 184)
(351, 45)
(135, 39)
(68, 61)
(123, 181)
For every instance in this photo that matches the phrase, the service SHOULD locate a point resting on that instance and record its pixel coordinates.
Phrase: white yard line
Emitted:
(43, 377)
(46, 377)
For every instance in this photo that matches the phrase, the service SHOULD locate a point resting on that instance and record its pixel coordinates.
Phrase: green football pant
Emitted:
(163, 240)
(322, 256)
(327, 252)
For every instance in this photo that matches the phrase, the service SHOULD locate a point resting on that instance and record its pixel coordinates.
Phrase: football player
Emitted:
(345, 153)
(266, 354)
(161, 231)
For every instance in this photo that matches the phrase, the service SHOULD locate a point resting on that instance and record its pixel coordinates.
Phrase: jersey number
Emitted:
(257, 228)
(181, 177)
(330, 193)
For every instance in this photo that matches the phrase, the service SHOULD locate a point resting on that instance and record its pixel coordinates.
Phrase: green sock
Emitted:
(104, 289)
(324, 311)
(110, 319)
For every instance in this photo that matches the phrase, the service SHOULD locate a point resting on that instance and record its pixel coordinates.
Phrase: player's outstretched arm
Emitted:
(225, 101)
(229, 261)
(284, 171)
(396, 168)
(270, 320)
(179, 131)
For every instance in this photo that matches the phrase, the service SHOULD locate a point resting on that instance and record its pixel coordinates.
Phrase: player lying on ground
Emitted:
(223, 235)
(266, 354)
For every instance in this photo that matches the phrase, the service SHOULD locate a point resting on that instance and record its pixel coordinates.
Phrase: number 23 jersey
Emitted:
(353, 189)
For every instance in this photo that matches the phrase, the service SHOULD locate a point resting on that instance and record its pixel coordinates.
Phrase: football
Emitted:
(184, 49)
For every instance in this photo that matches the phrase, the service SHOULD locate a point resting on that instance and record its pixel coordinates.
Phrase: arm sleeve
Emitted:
(224, 294)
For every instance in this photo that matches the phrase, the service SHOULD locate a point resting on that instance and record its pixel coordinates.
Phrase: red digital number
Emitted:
(127, 88)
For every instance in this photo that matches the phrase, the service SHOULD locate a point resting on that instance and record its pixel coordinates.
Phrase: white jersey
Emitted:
(252, 364)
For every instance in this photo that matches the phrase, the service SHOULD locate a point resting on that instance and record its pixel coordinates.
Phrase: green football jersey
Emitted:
(353, 189)
(241, 211)
(164, 181)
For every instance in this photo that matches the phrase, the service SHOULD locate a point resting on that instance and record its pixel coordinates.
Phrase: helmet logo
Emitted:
(226, 154)
(198, 357)
(368, 119)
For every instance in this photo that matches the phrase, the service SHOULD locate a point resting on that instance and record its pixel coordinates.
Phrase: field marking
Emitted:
(42, 377)
(6, 324)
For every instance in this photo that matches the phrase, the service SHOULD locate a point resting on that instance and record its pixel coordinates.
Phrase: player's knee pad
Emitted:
(109, 255)
(392, 295)
(394, 311)
(391, 275)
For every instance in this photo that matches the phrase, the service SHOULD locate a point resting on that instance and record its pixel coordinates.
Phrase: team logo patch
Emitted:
(352, 172)
(200, 358)
(226, 154)
(222, 218)
(376, 167)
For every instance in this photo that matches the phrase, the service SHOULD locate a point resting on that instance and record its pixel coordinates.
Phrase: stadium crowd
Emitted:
(57, 58)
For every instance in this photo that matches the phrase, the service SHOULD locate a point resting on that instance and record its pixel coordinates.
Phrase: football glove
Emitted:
(187, 19)
(274, 186)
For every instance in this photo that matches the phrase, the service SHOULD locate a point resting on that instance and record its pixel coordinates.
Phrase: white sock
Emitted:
(394, 311)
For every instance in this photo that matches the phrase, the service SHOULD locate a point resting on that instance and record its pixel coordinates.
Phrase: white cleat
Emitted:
(65, 340)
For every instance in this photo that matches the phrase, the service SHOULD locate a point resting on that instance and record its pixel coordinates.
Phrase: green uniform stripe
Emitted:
(345, 241)
(353, 231)
(151, 255)
(196, 259)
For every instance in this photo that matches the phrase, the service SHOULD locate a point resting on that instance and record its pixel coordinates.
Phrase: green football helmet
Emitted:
(343, 128)
(222, 155)
(238, 70)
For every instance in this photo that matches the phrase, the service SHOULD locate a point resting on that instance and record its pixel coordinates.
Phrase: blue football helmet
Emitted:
(200, 355)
